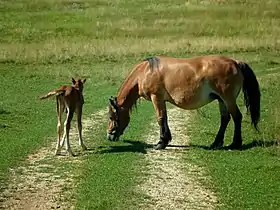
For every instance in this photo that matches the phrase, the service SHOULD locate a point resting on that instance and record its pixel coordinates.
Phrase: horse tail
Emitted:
(251, 92)
(52, 93)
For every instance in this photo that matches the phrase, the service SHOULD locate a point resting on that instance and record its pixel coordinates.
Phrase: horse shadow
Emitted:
(132, 146)
(142, 147)
(247, 146)
(4, 112)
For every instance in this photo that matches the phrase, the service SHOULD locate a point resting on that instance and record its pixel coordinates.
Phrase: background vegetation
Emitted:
(45, 42)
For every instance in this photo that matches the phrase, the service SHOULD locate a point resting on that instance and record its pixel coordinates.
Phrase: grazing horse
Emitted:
(188, 83)
(70, 98)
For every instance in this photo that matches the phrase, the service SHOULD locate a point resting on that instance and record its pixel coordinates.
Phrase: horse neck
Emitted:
(128, 94)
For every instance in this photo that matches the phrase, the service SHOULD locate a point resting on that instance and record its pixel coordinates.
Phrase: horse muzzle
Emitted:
(112, 137)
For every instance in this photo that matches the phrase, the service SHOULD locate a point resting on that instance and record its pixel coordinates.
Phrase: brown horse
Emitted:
(189, 84)
(70, 98)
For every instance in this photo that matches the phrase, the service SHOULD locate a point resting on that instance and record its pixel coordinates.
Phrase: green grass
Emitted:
(113, 170)
(23, 124)
(246, 179)
(43, 43)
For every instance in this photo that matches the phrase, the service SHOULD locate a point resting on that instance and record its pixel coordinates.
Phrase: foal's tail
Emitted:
(251, 92)
(52, 93)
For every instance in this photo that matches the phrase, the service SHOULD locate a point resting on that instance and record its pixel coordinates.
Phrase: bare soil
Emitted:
(170, 182)
(41, 181)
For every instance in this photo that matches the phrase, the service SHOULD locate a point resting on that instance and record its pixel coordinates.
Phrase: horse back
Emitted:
(72, 97)
(187, 80)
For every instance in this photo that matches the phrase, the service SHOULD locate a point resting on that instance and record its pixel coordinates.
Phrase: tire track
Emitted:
(170, 182)
(46, 181)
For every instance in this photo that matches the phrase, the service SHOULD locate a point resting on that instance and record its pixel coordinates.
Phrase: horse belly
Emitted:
(193, 98)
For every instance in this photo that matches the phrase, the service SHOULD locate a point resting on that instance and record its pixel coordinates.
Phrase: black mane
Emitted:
(153, 62)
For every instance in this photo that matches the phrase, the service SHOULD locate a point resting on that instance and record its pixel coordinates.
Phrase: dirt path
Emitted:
(41, 182)
(171, 182)
(47, 182)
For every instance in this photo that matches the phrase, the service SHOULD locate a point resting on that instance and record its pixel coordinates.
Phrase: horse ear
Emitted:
(113, 105)
(73, 81)
(111, 102)
(84, 81)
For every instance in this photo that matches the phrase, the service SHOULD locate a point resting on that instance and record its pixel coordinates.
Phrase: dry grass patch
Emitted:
(60, 50)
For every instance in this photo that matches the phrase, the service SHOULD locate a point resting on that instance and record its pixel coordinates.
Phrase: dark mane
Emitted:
(134, 104)
(153, 62)
(130, 81)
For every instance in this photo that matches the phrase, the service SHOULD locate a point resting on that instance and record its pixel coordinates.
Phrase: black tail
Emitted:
(251, 92)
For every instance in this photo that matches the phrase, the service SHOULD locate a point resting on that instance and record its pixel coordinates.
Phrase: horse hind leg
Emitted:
(59, 109)
(237, 119)
(79, 125)
(67, 125)
(225, 118)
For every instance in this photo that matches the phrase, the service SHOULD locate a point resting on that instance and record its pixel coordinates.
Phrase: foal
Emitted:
(70, 98)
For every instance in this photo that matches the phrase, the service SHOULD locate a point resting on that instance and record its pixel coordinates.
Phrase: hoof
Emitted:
(216, 145)
(235, 146)
(70, 153)
(160, 146)
(84, 147)
(57, 152)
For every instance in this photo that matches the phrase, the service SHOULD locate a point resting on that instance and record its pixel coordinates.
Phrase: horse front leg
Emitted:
(165, 135)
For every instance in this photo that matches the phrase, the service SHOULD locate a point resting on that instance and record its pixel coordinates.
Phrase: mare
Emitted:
(188, 83)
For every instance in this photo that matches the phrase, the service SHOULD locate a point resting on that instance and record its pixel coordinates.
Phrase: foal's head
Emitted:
(78, 84)
(118, 120)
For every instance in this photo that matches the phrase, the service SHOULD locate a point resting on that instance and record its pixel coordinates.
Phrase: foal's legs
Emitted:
(59, 110)
(225, 118)
(165, 135)
(67, 125)
(79, 125)
(237, 118)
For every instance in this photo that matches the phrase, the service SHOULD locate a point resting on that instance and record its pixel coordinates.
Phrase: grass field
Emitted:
(43, 43)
